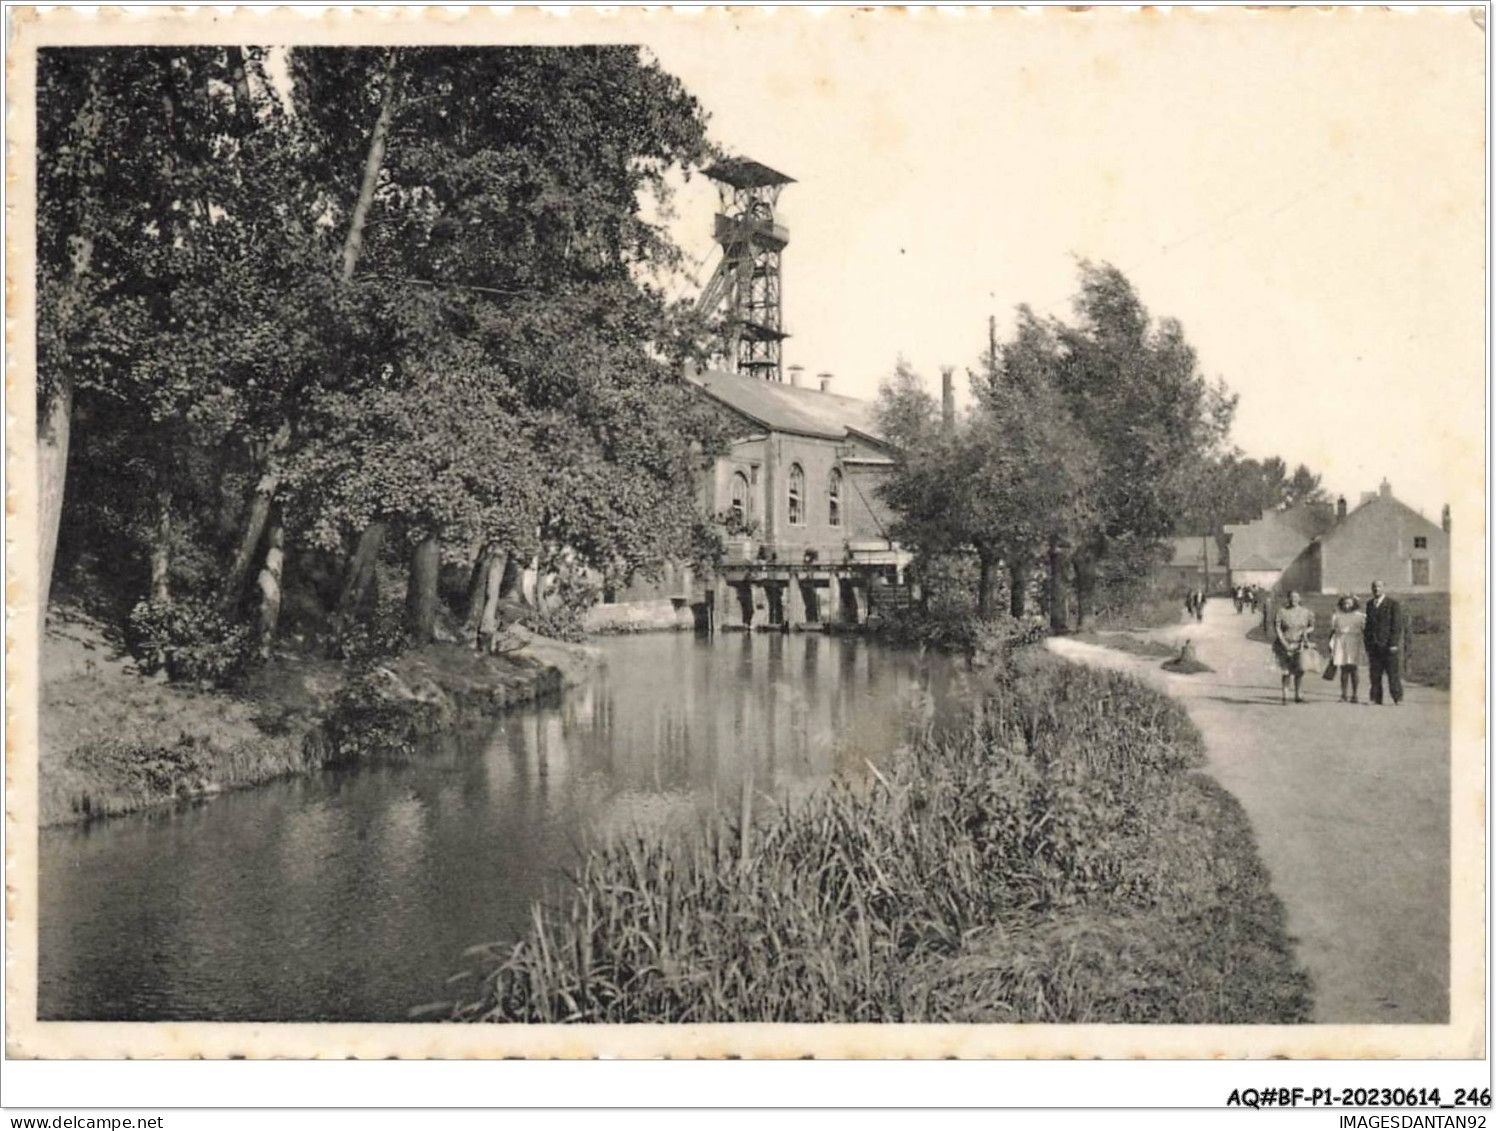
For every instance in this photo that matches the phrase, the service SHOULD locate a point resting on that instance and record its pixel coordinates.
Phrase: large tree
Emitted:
(408, 312)
(151, 178)
(1134, 386)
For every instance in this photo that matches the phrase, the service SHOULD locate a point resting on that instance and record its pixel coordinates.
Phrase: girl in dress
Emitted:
(1348, 644)
(1293, 647)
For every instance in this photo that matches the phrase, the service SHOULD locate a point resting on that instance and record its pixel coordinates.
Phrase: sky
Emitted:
(1302, 190)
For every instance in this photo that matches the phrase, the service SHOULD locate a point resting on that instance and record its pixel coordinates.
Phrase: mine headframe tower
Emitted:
(746, 285)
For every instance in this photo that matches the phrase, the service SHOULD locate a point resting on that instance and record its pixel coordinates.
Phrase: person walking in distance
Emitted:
(1348, 645)
(1384, 631)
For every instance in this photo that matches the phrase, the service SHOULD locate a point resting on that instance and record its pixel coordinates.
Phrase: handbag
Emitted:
(1330, 670)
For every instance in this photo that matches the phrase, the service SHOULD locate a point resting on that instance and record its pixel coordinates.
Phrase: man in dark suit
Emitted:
(1384, 631)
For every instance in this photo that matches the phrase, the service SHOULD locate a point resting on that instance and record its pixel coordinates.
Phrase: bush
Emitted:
(379, 636)
(571, 595)
(951, 628)
(368, 723)
(189, 640)
(563, 622)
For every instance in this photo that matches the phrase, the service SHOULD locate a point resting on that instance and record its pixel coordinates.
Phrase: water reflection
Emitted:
(351, 896)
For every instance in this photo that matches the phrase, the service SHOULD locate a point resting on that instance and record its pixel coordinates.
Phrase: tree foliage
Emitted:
(1082, 448)
(476, 356)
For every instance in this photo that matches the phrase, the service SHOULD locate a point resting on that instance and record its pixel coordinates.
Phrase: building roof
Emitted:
(743, 172)
(782, 407)
(1360, 522)
(1278, 537)
(1255, 563)
(1187, 551)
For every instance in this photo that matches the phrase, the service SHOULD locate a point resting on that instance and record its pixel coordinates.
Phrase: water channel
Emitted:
(351, 896)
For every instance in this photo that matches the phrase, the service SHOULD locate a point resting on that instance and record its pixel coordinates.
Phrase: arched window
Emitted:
(741, 510)
(834, 495)
(797, 495)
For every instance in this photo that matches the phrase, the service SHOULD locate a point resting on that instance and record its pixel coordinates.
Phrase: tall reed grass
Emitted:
(1055, 858)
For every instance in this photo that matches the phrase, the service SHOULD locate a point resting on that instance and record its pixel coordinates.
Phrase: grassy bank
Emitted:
(1058, 858)
(1125, 642)
(1150, 611)
(113, 742)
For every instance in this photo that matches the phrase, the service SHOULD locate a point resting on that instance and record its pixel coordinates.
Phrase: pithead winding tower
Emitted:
(746, 285)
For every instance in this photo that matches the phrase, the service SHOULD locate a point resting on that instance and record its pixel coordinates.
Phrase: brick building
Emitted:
(811, 544)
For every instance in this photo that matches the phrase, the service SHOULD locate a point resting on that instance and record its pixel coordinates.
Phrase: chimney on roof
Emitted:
(1444, 519)
(948, 397)
(1340, 508)
(825, 380)
(1385, 490)
(796, 372)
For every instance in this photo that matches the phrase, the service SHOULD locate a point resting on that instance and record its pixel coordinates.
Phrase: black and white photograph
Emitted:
(747, 533)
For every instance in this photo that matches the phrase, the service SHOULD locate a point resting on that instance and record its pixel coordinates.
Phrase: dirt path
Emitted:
(1351, 809)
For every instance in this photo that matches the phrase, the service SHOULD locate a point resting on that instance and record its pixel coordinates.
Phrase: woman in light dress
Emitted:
(1293, 643)
(1348, 645)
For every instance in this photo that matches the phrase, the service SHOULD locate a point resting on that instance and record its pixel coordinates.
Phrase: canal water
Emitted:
(352, 895)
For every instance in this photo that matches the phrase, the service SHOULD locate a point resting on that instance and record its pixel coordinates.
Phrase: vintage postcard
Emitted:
(699, 533)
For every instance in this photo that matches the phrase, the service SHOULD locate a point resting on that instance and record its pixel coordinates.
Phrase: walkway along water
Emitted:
(1350, 805)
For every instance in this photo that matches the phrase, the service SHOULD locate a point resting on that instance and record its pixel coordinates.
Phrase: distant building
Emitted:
(809, 540)
(1382, 539)
(1261, 550)
(1191, 558)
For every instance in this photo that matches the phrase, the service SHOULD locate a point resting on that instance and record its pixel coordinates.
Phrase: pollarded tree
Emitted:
(1050, 466)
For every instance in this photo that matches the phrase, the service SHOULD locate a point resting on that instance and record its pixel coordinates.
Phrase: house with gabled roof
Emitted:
(1262, 549)
(1192, 560)
(1383, 539)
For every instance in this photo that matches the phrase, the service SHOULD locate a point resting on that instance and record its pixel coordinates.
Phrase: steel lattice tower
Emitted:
(747, 284)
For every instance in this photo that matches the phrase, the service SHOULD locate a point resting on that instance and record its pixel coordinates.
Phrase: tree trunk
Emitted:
(161, 549)
(985, 584)
(420, 594)
(477, 589)
(512, 585)
(483, 594)
(1057, 618)
(243, 100)
(54, 423)
(1018, 579)
(359, 575)
(1085, 587)
(52, 435)
(488, 621)
(353, 244)
(254, 525)
(270, 586)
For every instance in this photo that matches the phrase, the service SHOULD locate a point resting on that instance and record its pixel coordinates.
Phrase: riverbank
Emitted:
(1054, 856)
(114, 742)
